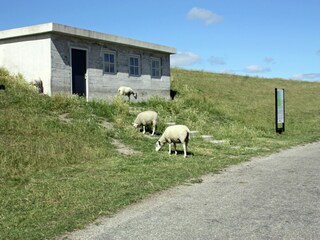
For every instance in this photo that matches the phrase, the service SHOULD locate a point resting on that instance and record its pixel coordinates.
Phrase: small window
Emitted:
(155, 68)
(134, 66)
(109, 62)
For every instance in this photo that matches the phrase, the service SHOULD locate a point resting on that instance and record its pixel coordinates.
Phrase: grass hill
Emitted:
(64, 161)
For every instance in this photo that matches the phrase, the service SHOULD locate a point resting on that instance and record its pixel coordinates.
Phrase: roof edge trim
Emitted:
(78, 32)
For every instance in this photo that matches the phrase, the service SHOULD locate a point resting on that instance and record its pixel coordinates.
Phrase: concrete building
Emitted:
(84, 62)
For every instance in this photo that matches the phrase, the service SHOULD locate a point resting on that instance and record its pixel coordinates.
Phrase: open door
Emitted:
(79, 70)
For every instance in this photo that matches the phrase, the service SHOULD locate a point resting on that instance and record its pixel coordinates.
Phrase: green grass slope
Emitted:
(64, 161)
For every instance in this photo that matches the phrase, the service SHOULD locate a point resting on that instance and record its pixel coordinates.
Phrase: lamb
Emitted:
(38, 85)
(127, 91)
(146, 118)
(175, 134)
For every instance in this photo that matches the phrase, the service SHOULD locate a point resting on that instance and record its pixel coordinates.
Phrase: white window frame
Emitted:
(138, 74)
(104, 62)
(154, 59)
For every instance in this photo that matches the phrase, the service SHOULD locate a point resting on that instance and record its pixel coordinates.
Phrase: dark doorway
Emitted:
(79, 69)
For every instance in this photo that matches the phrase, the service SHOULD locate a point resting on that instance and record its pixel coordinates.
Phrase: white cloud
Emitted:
(256, 69)
(269, 60)
(204, 15)
(216, 61)
(307, 76)
(184, 59)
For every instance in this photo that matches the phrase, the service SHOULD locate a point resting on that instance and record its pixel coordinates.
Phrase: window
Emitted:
(155, 68)
(109, 62)
(134, 66)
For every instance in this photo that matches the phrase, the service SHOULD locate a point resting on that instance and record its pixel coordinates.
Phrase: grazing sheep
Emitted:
(38, 85)
(146, 118)
(127, 91)
(175, 134)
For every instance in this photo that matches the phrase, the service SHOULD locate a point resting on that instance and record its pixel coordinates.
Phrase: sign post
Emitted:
(280, 117)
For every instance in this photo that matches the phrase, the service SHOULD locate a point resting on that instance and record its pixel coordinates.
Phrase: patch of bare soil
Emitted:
(123, 149)
(64, 118)
(106, 124)
(150, 136)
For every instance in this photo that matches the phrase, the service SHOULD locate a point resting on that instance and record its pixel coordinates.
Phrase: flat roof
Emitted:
(82, 33)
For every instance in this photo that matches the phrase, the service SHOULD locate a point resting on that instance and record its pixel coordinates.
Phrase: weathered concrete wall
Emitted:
(61, 74)
(104, 86)
(29, 56)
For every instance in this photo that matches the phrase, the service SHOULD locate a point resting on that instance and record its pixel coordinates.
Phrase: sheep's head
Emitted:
(158, 146)
(135, 95)
(135, 125)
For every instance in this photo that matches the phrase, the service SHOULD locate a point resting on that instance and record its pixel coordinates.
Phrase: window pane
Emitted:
(132, 70)
(155, 68)
(134, 66)
(111, 58)
(112, 68)
(109, 63)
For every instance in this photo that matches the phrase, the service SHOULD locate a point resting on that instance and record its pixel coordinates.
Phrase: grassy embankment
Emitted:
(60, 171)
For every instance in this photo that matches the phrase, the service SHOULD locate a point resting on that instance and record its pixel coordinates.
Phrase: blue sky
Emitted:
(270, 38)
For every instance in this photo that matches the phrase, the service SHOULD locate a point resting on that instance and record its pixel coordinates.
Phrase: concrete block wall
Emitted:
(104, 86)
(61, 74)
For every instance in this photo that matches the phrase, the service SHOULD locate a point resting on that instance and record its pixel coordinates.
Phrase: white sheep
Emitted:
(146, 118)
(175, 134)
(38, 85)
(127, 91)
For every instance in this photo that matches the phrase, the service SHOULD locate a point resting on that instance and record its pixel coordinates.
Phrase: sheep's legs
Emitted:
(154, 125)
(185, 150)
(174, 148)
(144, 129)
